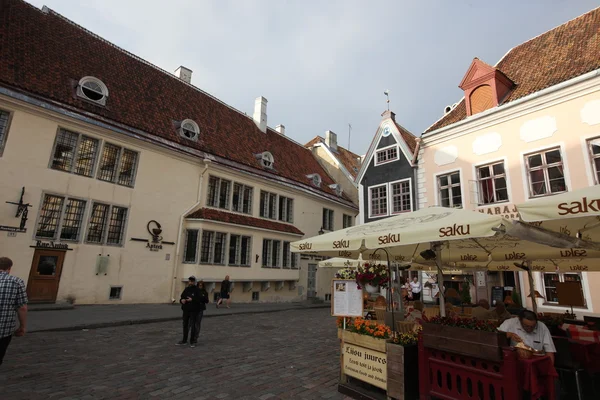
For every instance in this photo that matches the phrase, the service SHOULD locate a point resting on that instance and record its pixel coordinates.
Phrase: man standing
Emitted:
(415, 288)
(190, 304)
(528, 330)
(13, 303)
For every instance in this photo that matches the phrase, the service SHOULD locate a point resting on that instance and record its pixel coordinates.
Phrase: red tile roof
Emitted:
(211, 214)
(44, 55)
(409, 138)
(349, 159)
(563, 53)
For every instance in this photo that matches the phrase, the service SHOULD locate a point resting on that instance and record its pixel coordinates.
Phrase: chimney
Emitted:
(183, 73)
(331, 140)
(260, 113)
(280, 129)
(389, 114)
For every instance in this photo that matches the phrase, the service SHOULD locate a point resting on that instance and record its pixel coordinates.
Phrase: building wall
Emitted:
(144, 275)
(565, 119)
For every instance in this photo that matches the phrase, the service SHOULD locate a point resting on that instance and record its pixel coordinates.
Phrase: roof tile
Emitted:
(238, 219)
(350, 160)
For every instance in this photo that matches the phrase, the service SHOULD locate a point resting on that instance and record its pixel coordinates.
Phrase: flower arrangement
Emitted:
(370, 328)
(346, 273)
(408, 339)
(340, 322)
(372, 274)
(467, 323)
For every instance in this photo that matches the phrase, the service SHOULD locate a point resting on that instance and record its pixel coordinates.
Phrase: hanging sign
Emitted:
(347, 299)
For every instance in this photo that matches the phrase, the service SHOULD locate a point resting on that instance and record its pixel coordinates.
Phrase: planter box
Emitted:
(357, 339)
(467, 342)
(402, 371)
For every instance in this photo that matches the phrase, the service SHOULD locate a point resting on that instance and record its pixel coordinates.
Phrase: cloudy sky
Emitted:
(324, 64)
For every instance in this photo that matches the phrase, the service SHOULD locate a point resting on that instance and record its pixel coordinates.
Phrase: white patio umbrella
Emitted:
(339, 262)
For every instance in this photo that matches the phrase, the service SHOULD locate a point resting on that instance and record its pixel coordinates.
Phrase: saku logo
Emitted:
(578, 207)
(455, 230)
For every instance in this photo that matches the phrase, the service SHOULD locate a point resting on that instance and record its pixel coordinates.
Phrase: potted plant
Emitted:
(346, 273)
(372, 277)
(466, 336)
(402, 365)
(363, 333)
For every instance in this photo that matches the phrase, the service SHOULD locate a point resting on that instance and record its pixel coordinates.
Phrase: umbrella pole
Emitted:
(438, 264)
(531, 287)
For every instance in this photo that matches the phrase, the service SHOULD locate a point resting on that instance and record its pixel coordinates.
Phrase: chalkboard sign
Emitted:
(497, 294)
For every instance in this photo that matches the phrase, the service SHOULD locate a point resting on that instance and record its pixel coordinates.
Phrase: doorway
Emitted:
(311, 285)
(46, 268)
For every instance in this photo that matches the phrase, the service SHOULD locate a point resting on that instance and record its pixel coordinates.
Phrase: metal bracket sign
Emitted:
(22, 211)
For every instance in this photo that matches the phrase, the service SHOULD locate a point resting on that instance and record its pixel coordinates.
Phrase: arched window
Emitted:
(481, 99)
(189, 130)
(267, 160)
(92, 89)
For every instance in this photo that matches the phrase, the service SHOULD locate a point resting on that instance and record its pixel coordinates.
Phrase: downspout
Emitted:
(180, 230)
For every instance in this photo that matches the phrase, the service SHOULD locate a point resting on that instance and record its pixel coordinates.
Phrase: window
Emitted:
(107, 224)
(242, 198)
(56, 209)
(127, 168)
(327, 219)
(386, 155)
(401, 197)
(549, 281)
(117, 165)
(189, 130)
(290, 260)
(450, 191)
(491, 182)
(378, 201)
(92, 89)
(546, 173)
(316, 180)
(74, 153)
(190, 253)
(593, 147)
(218, 192)
(267, 160)
(239, 250)
(255, 296)
(347, 221)
(213, 248)
(115, 292)
(286, 209)
(3, 129)
(268, 205)
(271, 253)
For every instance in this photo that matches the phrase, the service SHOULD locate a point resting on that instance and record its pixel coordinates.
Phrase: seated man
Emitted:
(482, 310)
(528, 330)
(500, 313)
(416, 314)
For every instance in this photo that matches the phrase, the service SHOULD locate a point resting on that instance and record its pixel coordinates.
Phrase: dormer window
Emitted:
(189, 130)
(338, 189)
(267, 160)
(92, 89)
(485, 87)
(315, 179)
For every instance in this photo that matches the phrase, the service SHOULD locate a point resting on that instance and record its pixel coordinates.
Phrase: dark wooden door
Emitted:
(44, 277)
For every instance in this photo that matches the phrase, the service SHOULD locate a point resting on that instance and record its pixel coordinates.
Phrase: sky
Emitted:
(324, 64)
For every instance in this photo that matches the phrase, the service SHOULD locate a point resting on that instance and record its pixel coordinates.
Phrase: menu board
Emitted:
(347, 299)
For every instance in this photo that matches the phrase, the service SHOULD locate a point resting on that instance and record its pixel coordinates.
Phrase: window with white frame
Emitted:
(106, 224)
(3, 129)
(271, 253)
(242, 198)
(239, 250)
(348, 221)
(117, 165)
(286, 209)
(218, 192)
(74, 153)
(268, 205)
(491, 182)
(545, 172)
(378, 201)
(593, 148)
(386, 155)
(212, 250)
(92, 89)
(401, 197)
(328, 219)
(290, 260)
(549, 281)
(60, 217)
(449, 190)
(190, 254)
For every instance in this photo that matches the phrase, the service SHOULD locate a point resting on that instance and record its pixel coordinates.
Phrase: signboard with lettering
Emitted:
(347, 299)
(366, 365)
(51, 245)
(15, 229)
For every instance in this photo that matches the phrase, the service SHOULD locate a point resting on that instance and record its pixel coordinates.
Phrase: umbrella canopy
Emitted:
(338, 262)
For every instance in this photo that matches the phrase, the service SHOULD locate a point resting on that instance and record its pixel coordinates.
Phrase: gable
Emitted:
(386, 141)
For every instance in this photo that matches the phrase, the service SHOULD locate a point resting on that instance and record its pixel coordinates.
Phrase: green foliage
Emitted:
(516, 298)
(465, 293)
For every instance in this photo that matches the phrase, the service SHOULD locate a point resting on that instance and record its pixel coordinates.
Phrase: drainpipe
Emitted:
(180, 230)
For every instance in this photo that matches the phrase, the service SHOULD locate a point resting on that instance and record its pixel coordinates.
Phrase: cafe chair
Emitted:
(564, 362)
(380, 313)
(431, 311)
(467, 311)
(405, 326)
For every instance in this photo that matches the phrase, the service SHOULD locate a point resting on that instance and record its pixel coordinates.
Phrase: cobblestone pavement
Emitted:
(282, 355)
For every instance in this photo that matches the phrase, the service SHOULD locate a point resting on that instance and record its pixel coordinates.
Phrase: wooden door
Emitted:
(44, 277)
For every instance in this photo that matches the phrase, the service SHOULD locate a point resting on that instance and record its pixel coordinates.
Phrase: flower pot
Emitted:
(371, 289)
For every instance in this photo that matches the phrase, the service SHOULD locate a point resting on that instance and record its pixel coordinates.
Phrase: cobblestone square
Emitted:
(281, 355)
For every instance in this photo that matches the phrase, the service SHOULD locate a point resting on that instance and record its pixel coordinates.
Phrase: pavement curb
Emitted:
(167, 319)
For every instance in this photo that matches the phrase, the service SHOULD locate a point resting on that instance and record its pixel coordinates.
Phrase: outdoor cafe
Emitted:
(392, 347)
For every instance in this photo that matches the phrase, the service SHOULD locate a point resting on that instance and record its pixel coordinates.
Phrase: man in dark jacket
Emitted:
(191, 299)
(203, 302)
